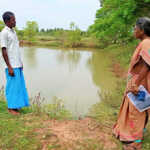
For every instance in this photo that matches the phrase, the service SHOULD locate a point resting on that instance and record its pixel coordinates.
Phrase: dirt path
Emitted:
(84, 134)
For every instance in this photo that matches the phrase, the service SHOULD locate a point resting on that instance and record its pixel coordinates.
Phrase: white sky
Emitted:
(52, 13)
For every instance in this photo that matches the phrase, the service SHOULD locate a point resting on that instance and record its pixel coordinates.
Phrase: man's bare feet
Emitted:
(13, 111)
(17, 110)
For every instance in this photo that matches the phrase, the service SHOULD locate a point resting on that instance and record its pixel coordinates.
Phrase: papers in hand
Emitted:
(140, 105)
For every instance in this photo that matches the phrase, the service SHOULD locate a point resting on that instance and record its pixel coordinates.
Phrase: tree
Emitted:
(42, 30)
(72, 26)
(20, 34)
(31, 30)
(74, 35)
(115, 19)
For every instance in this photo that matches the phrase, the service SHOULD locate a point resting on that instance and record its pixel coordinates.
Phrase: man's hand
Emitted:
(21, 43)
(11, 71)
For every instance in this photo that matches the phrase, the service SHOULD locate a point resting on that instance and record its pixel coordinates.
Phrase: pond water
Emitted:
(76, 76)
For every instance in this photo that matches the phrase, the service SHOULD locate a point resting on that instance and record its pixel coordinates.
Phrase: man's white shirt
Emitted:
(8, 39)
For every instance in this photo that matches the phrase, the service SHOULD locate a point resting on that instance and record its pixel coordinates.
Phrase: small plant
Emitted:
(37, 103)
(56, 110)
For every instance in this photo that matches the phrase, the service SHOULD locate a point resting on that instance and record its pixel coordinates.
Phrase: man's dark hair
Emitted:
(144, 24)
(7, 15)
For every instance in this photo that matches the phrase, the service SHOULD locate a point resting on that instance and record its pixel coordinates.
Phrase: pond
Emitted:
(78, 77)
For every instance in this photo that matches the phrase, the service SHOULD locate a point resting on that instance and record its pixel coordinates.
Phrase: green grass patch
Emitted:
(14, 133)
(18, 132)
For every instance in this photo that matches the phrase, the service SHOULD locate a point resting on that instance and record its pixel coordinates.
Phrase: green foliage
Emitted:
(1, 25)
(20, 34)
(31, 30)
(115, 20)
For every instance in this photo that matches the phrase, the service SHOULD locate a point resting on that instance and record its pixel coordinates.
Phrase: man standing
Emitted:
(15, 92)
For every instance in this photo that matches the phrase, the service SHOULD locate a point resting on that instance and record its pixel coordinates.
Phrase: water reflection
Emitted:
(99, 65)
(30, 56)
(71, 57)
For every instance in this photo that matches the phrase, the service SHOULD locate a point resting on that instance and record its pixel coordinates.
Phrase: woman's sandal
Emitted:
(135, 145)
(144, 130)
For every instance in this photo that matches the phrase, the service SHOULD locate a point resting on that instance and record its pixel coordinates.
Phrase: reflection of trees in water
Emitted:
(101, 75)
(72, 58)
(30, 56)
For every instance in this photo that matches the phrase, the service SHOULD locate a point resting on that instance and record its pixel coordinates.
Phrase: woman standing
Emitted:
(131, 123)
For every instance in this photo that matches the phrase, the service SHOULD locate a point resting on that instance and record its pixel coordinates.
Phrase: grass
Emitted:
(18, 132)
(13, 130)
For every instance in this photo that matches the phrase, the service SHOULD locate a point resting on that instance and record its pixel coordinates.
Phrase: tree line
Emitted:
(31, 32)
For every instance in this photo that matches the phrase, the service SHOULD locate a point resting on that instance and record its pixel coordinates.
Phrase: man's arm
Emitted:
(5, 56)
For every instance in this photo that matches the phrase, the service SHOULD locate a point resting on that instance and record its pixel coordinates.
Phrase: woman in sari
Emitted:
(131, 123)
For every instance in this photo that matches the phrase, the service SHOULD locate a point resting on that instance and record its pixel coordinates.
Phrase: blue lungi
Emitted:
(16, 92)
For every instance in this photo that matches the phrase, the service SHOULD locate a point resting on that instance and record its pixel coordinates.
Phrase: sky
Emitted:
(52, 13)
